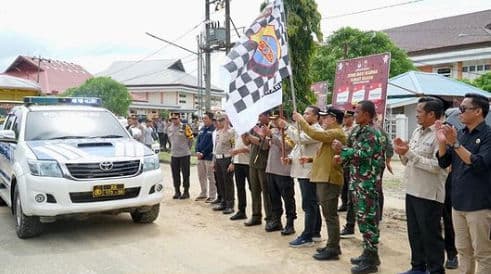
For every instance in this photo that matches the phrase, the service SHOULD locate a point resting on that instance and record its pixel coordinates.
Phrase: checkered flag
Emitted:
(255, 67)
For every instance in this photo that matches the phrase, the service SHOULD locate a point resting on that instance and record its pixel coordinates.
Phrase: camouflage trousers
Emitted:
(365, 200)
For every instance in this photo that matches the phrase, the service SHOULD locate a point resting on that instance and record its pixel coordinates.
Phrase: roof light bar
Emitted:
(48, 100)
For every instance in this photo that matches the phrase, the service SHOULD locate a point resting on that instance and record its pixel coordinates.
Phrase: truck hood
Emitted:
(87, 149)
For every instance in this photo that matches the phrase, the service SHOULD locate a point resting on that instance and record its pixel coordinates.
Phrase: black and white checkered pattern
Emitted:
(248, 83)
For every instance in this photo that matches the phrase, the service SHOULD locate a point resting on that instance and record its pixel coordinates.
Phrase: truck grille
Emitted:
(86, 197)
(94, 170)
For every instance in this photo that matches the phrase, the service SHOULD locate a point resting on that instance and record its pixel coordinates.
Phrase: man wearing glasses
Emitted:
(469, 152)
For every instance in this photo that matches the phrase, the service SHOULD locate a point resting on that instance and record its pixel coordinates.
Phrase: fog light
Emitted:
(40, 198)
(158, 187)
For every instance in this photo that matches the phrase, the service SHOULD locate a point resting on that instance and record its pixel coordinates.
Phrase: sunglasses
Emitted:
(464, 108)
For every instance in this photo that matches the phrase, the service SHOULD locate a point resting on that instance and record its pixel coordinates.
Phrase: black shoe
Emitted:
(253, 221)
(228, 210)
(288, 230)
(343, 208)
(216, 201)
(321, 249)
(452, 263)
(347, 232)
(357, 260)
(240, 215)
(219, 207)
(273, 226)
(328, 254)
(367, 264)
(185, 195)
(177, 195)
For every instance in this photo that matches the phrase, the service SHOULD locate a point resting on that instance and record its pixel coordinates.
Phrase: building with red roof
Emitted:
(53, 76)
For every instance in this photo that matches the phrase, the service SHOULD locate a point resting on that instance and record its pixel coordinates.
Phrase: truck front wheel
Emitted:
(25, 226)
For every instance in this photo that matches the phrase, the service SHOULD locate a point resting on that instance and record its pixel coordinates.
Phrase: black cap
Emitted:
(338, 114)
(349, 113)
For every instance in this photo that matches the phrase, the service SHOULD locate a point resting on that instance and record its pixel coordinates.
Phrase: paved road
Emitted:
(188, 237)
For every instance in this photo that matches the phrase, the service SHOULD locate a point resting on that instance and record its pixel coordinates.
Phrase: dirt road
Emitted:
(188, 237)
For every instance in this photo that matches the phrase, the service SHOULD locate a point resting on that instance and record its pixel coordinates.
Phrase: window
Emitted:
(182, 101)
(487, 67)
(9, 121)
(465, 69)
(479, 67)
(444, 71)
(472, 68)
(182, 95)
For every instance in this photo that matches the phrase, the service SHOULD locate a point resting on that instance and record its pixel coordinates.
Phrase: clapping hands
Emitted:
(400, 146)
(445, 133)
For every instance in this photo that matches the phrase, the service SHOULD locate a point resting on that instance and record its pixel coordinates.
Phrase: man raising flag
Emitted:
(255, 67)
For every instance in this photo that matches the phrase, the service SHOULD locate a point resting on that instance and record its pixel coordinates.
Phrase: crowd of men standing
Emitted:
(335, 154)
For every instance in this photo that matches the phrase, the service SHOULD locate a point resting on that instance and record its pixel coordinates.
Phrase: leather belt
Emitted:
(221, 156)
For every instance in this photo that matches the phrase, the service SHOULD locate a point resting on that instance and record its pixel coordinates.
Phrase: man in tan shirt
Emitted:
(425, 193)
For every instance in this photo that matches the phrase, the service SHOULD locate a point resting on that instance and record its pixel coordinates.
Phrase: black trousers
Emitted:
(281, 187)
(178, 165)
(241, 174)
(225, 181)
(344, 190)
(310, 205)
(449, 233)
(425, 234)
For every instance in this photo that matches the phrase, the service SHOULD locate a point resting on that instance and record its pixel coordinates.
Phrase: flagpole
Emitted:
(292, 87)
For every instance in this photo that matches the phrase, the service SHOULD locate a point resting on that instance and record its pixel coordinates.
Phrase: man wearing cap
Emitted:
(180, 152)
(257, 170)
(224, 144)
(328, 177)
(347, 128)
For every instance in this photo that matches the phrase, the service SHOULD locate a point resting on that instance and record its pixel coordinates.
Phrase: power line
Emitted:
(369, 10)
(157, 51)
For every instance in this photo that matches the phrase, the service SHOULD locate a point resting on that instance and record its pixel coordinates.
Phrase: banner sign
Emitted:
(363, 78)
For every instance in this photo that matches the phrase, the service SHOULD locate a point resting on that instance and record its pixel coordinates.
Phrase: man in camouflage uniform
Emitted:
(362, 154)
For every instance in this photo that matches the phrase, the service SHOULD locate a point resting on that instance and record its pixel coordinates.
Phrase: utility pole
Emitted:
(207, 57)
(200, 76)
(227, 26)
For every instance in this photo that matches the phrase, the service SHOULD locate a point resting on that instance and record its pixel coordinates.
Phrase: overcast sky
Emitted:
(95, 33)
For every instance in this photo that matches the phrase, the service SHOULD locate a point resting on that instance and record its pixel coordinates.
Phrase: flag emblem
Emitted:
(255, 67)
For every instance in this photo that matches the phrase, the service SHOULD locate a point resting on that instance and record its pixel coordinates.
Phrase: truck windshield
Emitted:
(67, 124)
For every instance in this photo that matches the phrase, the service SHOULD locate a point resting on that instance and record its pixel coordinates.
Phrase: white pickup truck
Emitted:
(64, 156)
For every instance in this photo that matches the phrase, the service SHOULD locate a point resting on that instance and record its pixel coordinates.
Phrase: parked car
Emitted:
(70, 159)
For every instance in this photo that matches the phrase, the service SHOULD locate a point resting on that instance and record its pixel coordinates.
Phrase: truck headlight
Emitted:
(45, 168)
(151, 163)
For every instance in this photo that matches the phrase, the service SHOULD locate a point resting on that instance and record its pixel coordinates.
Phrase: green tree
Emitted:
(303, 21)
(483, 82)
(347, 43)
(115, 96)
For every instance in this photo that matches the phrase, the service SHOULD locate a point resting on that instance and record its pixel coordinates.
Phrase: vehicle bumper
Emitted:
(60, 189)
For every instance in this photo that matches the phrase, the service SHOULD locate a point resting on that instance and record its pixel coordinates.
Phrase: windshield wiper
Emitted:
(107, 136)
(69, 137)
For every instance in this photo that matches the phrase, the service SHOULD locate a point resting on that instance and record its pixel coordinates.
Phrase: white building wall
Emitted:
(412, 124)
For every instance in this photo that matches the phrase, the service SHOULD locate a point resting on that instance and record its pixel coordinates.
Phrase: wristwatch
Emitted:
(456, 145)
